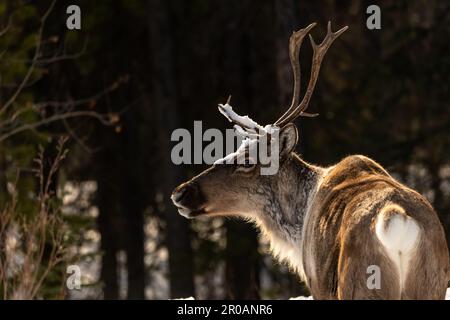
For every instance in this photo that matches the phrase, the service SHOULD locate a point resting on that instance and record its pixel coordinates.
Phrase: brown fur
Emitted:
(322, 222)
(341, 236)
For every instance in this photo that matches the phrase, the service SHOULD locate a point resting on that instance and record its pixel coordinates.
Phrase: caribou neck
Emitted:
(291, 198)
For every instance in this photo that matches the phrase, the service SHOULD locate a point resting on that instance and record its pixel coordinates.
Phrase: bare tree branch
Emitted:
(5, 29)
(109, 119)
(37, 51)
(24, 279)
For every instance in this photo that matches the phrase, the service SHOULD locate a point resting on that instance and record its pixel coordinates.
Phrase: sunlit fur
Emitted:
(331, 224)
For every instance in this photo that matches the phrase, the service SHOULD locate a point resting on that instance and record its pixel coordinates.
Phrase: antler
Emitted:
(319, 51)
(242, 123)
(295, 42)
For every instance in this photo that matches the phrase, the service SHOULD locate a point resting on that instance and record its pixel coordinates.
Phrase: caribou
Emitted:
(330, 224)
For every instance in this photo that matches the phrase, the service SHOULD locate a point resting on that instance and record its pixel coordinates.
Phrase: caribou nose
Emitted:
(184, 192)
(178, 195)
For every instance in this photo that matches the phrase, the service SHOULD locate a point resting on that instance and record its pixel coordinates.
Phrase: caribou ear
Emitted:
(288, 140)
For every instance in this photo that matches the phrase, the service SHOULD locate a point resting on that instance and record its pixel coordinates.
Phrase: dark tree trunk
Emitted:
(134, 245)
(133, 206)
(107, 222)
(242, 261)
(164, 96)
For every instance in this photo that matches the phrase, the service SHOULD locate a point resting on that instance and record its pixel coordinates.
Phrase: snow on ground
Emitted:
(302, 298)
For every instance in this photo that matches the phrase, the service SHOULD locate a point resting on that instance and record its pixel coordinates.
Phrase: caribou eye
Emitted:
(247, 165)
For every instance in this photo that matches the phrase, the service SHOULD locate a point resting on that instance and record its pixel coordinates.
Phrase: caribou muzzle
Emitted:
(189, 200)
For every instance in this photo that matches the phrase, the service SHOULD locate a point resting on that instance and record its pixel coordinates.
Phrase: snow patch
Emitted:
(239, 154)
(248, 129)
(243, 121)
(302, 298)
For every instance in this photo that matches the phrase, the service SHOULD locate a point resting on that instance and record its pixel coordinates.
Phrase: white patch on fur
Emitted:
(399, 234)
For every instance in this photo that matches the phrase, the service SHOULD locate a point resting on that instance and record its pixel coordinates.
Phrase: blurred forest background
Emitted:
(86, 117)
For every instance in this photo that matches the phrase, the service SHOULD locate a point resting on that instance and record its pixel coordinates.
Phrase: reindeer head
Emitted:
(234, 185)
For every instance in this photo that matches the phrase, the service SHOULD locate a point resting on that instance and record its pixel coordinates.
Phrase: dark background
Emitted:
(381, 93)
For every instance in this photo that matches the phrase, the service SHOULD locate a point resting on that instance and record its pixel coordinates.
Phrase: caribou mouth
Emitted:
(190, 213)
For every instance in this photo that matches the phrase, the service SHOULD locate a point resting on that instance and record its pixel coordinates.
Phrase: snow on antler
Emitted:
(244, 125)
(244, 122)
(248, 129)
